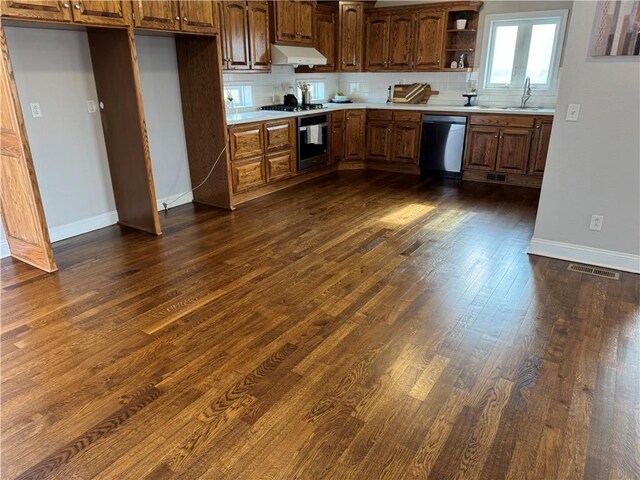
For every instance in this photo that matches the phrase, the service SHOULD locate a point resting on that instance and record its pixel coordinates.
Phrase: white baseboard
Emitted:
(588, 255)
(90, 224)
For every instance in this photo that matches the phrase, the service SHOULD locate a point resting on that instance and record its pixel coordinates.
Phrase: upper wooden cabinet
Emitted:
(185, 15)
(350, 43)
(246, 44)
(106, 12)
(389, 42)
(42, 10)
(377, 42)
(293, 22)
(428, 46)
(326, 37)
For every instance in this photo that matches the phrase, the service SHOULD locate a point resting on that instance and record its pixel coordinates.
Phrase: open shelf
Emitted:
(460, 41)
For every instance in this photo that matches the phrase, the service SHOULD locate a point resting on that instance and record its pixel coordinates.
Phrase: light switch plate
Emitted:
(35, 110)
(573, 111)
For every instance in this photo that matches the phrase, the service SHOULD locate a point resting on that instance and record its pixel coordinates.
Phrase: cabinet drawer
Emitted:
(279, 166)
(279, 135)
(386, 115)
(247, 174)
(246, 141)
(337, 117)
(407, 116)
(502, 120)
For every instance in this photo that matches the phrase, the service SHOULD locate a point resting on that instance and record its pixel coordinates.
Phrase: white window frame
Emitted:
(247, 91)
(520, 64)
(312, 81)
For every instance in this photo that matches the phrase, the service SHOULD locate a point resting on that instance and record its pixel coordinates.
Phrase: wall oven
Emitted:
(312, 141)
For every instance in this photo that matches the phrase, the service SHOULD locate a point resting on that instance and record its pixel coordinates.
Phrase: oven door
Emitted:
(313, 131)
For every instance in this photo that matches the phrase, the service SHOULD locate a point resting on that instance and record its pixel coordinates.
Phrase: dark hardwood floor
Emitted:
(362, 325)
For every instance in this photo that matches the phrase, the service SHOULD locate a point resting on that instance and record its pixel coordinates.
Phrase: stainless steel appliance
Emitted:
(442, 145)
(312, 141)
(293, 108)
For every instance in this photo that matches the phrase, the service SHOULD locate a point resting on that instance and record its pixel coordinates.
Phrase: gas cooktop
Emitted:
(293, 108)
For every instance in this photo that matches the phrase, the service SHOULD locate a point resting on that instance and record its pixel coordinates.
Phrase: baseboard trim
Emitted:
(588, 255)
(86, 225)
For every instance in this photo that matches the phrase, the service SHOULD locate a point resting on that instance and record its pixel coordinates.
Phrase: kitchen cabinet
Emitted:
(326, 37)
(428, 40)
(513, 150)
(354, 135)
(336, 136)
(379, 140)
(377, 43)
(262, 153)
(482, 148)
(540, 145)
(406, 142)
(259, 47)
(43, 10)
(389, 42)
(350, 44)
(198, 16)
(246, 39)
(102, 13)
(158, 15)
(293, 22)
(106, 12)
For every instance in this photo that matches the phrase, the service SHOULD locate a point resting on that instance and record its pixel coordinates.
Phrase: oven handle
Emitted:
(304, 129)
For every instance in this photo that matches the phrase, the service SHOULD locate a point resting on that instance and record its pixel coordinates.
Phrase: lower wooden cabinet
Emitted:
(513, 150)
(280, 165)
(406, 142)
(482, 147)
(379, 144)
(279, 135)
(354, 135)
(247, 174)
(540, 145)
(246, 141)
(336, 137)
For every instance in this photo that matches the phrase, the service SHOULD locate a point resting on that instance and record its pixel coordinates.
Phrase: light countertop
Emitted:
(262, 115)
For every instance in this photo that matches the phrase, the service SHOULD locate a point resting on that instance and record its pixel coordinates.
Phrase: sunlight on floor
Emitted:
(406, 214)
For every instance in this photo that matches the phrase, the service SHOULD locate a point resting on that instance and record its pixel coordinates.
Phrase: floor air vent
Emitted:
(598, 272)
(496, 177)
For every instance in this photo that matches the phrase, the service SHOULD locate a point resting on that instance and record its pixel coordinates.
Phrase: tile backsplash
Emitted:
(269, 88)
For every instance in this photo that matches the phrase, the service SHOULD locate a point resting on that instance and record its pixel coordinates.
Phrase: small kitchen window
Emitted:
(526, 45)
(238, 95)
(317, 88)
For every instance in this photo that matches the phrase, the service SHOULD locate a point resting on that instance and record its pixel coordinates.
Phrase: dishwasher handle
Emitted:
(457, 120)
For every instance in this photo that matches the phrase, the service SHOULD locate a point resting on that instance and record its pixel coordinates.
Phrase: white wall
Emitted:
(593, 166)
(158, 66)
(53, 68)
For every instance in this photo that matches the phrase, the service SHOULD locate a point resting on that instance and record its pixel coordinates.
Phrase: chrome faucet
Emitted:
(526, 94)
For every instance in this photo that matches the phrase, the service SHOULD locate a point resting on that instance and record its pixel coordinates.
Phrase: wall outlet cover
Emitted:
(35, 110)
(596, 222)
(92, 106)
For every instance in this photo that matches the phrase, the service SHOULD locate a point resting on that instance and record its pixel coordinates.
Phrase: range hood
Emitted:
(288, 55)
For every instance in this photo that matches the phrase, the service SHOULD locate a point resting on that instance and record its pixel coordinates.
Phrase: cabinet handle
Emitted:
(537, 126)
(77, 6)
(496, 136)
(185, 19)
(65, 5)
(501, 136)
(177, 18)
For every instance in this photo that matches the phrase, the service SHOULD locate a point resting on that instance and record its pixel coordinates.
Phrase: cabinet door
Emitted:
(247, 174)
(236, 36)
(259, 46)
(406, 142)
(540, 146)
(513, 150)
(379, 141)
(285, 21)
(159, 15)
(377, 43)
(336, 142)
(105, 12)
(350, 37)
(428, 44)
(280, 165)
(41, 10)
(354, 146)
(199, 16)
(304, 22)
(482, 147)
(246, 141)
(400, 42)
(325, 39)
(279, 135)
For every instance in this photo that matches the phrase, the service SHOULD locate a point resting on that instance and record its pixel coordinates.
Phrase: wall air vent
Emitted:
(597, 271)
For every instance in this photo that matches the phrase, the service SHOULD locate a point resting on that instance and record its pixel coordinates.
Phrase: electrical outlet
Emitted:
(596, 222)
(573, 111)
(35, 110)
(92, 106)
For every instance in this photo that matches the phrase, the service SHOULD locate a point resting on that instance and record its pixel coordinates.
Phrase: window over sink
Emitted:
(523, 45)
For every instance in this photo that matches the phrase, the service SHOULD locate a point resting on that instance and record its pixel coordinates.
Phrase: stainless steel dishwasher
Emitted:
(442, 145)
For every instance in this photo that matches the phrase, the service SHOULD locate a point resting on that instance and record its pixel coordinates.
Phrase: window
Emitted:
(238, 95)
(528, 45)
(317, 90)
